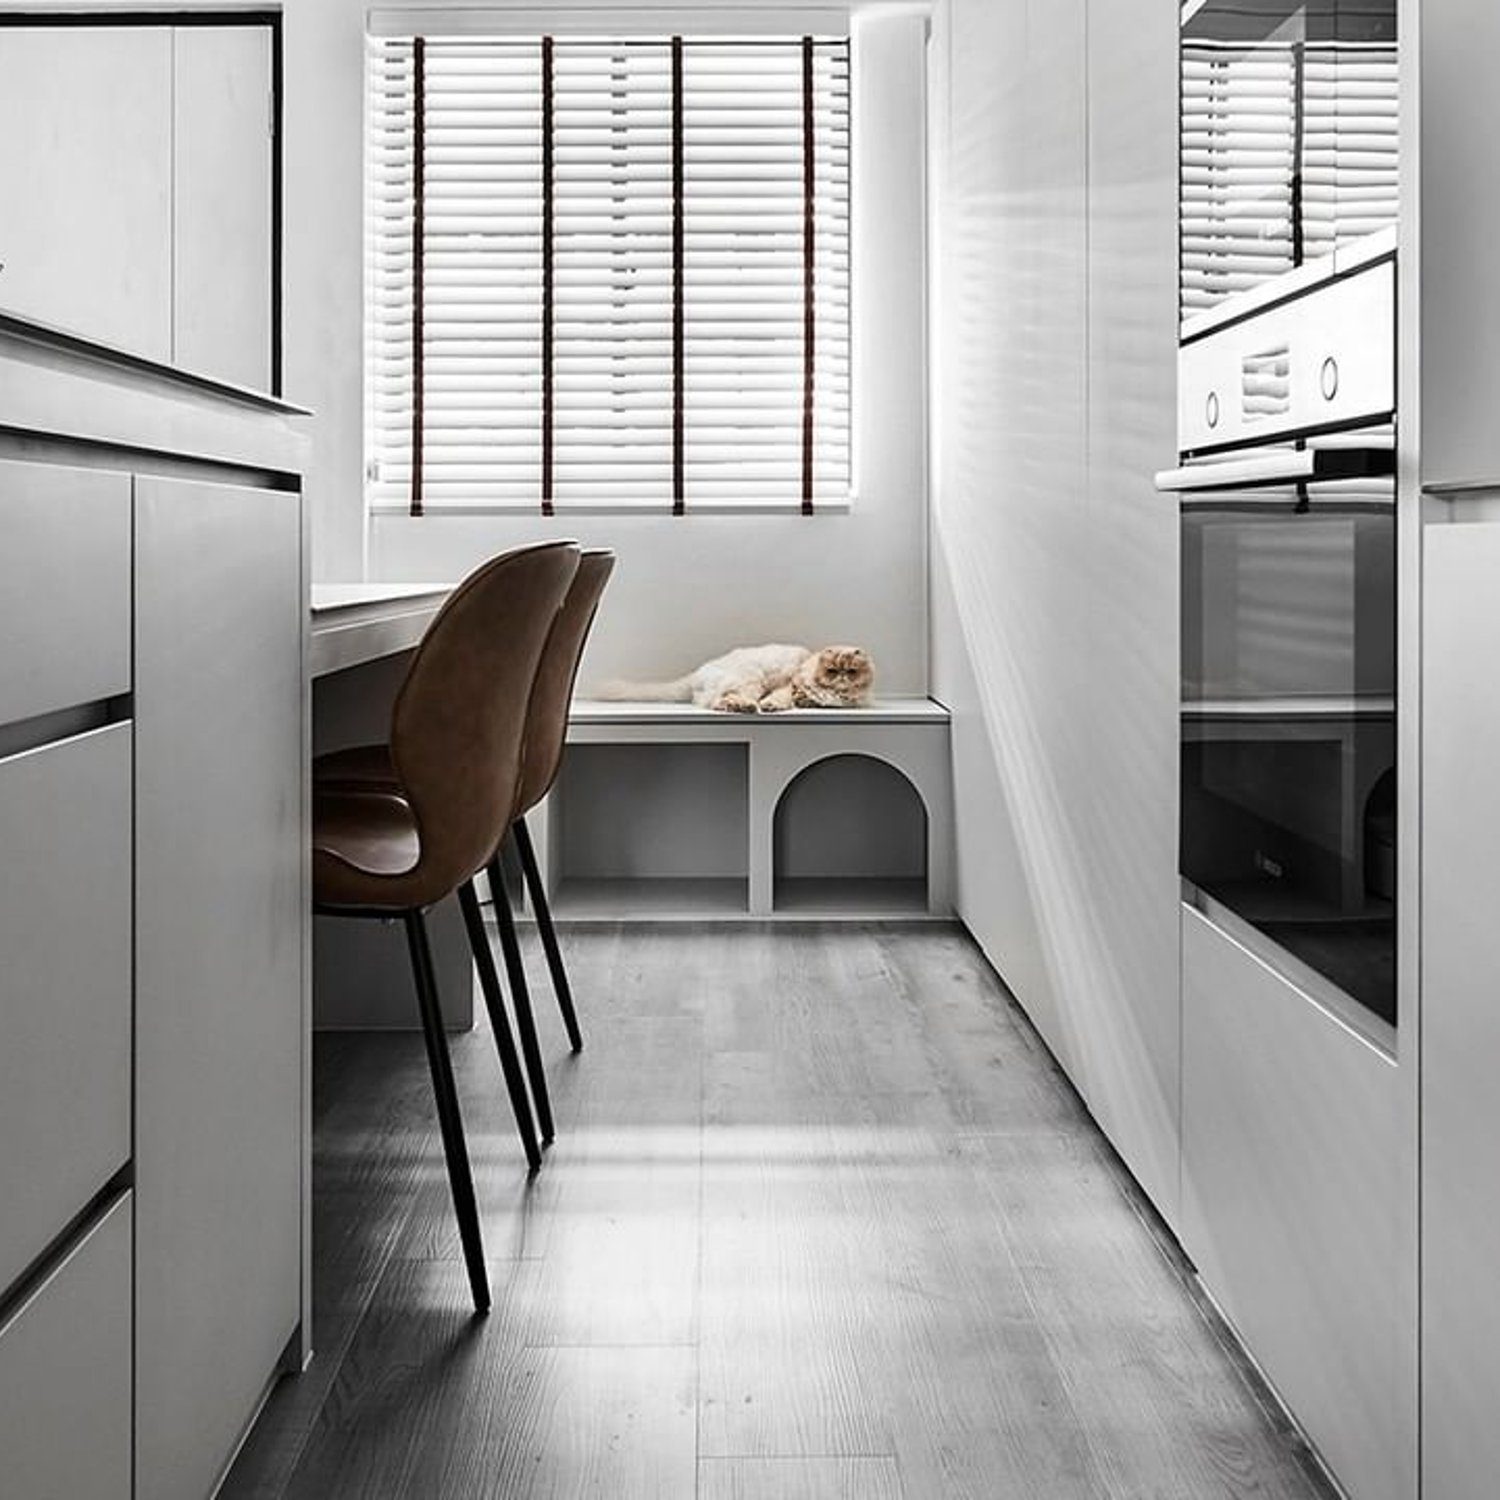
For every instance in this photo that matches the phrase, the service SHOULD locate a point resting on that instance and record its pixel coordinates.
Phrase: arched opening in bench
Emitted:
(850, 837)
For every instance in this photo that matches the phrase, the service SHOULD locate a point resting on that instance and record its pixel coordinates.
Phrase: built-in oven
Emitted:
(1286, 438)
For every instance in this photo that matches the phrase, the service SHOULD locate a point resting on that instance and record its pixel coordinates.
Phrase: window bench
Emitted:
(671, 811)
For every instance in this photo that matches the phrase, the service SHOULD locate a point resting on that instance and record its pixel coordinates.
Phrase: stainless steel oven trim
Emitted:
(1284, 467)
(1317, 990)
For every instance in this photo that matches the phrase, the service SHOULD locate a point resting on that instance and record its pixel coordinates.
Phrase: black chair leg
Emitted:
(543, 912)
(489, 982)
(520, 995)
(450, 1122)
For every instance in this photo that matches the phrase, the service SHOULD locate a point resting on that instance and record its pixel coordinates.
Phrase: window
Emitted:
(607, 273)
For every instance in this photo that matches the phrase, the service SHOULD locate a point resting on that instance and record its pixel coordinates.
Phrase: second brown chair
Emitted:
(370, 768)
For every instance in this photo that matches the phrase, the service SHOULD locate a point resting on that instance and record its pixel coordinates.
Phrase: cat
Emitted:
(764, 679)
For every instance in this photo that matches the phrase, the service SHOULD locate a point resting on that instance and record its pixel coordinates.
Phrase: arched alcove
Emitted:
(850, 835)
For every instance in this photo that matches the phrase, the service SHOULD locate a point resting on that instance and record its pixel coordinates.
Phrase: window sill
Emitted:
(436, 509)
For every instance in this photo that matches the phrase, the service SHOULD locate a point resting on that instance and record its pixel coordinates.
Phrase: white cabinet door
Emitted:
(219, 933)
(1460, 1010)
(222, 157)
(85, 181)
(1293, 1201)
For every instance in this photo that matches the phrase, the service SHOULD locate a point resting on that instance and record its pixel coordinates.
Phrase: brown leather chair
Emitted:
(369, 767)
(546, 736)
(456, 755)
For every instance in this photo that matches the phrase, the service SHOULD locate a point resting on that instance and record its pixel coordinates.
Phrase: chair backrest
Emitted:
(459, 721)
(552, 693)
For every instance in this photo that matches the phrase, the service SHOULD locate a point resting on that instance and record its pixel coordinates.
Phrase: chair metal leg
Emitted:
(543, 911)
(450, 1122)
(520, 995)
(489, 982)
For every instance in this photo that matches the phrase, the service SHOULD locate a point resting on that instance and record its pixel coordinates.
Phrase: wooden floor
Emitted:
(823, 1219)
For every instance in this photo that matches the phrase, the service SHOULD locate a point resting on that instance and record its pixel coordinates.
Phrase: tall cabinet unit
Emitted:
(1299, 709)
(1456, 316)
(153, 751)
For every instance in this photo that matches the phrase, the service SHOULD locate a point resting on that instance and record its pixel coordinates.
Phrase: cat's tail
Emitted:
(679, 690)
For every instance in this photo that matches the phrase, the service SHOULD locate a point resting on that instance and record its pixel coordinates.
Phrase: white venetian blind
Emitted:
(1238, 161)
(745, 285)
(1351, 142)
(634, 269)
(1288, 150)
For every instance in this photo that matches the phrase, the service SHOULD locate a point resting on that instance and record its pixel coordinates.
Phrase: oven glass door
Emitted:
(1288, 723)
(1290, 137)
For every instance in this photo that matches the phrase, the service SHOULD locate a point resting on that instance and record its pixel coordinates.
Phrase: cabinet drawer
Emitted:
(65, 1375)
(64, 587)
(65, 932)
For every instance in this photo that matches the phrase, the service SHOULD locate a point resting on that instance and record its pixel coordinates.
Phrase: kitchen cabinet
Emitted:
(137, 166)
(153, 757)
(1456, 319)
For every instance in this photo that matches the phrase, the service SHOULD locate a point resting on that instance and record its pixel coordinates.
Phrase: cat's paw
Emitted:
(777, 702)
(735, 703)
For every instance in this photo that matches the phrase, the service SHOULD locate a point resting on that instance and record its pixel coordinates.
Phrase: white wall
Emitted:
(1055, 632)
(686, 588)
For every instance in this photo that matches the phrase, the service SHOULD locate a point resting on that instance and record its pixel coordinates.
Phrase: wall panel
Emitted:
(1054, 561)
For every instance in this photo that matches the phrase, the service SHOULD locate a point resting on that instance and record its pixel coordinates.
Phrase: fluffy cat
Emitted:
(764, 679)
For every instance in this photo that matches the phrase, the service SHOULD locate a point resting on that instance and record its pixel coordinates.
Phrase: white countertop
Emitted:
(354, 623)
(330, 596)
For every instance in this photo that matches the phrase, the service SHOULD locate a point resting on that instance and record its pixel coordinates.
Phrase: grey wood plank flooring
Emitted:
(823, 1219)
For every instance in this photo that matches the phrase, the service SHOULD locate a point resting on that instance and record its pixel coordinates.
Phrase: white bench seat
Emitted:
(658, 829)
(598, 711)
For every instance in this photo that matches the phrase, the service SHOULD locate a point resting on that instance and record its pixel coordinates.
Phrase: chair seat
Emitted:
(364, 844)
(358, 767)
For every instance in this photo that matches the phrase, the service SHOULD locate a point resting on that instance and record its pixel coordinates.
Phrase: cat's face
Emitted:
(845, 670)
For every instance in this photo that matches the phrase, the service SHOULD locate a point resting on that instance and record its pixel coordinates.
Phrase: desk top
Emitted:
(354, 623)
(327, 597)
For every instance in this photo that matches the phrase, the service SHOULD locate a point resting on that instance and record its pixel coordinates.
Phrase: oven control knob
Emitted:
(1329, 380)
(1211, 409)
